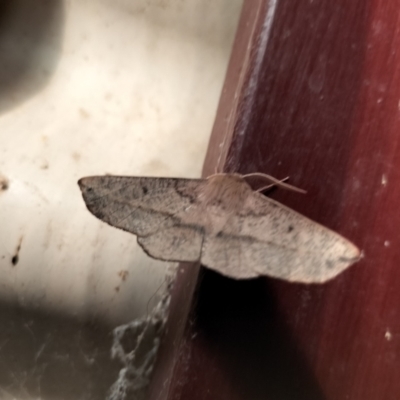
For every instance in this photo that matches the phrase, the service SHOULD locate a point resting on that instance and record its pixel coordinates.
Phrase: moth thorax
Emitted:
(228, 190)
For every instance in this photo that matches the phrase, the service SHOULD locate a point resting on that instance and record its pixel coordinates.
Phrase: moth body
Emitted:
(221, 222)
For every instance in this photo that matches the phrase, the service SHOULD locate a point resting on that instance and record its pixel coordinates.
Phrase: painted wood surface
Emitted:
(313, 92)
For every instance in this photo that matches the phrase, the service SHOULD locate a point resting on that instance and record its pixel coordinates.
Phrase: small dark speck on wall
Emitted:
(4, 183)
(15, 257)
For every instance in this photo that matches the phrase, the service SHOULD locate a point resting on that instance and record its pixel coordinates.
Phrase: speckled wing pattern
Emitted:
(221, 222)
(267, 238)
(149, 208)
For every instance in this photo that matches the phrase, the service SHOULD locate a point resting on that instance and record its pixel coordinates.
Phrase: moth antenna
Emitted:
(276, 182)
(283, 186)
(264, 188)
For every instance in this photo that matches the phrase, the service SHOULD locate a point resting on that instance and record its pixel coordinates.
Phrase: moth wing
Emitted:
(154, 209)
(267, 238)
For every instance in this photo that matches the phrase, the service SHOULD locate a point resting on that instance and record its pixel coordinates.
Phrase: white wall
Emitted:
(95, 87)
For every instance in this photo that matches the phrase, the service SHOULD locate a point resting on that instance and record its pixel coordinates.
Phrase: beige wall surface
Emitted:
(86, 88)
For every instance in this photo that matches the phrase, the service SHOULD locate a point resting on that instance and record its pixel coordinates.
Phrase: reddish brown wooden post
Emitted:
(313, 92)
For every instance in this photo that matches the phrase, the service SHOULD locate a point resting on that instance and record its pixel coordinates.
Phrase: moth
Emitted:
(221, 222)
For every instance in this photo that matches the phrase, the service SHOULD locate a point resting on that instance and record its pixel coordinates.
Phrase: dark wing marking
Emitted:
(157, 210)
(274, 240)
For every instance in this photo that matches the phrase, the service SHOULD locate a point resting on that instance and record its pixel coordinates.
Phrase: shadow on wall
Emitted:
(50, 356)
(30, 46)
(252, 348)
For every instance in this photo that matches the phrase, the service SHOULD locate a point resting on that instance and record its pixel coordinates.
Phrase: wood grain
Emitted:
(312, 92)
